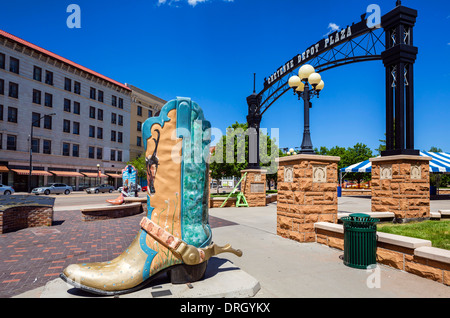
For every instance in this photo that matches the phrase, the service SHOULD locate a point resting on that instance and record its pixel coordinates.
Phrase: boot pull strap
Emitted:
(188, 253)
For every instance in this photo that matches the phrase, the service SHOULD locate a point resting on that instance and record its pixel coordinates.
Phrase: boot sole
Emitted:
(178, 274)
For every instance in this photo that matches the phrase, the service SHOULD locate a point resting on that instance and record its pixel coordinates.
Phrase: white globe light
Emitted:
(320, 86)
(301, 86)
(314, 78)
(294, 81)
(291, 150)
(305, 71)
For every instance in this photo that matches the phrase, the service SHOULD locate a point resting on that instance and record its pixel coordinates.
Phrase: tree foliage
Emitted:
(229, 161)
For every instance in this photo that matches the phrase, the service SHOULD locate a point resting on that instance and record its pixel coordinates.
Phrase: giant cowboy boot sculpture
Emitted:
(175, 236)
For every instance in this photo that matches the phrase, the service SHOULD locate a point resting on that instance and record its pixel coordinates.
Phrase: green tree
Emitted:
(351, 155)
(140, 165)
(229, 161)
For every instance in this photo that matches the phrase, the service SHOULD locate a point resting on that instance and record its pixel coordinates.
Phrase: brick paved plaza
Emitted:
(31, 257)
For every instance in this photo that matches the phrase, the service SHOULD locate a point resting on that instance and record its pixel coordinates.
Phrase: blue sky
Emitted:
(208, 50)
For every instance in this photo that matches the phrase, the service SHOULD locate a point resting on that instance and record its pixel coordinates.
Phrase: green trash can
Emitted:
(360, 240)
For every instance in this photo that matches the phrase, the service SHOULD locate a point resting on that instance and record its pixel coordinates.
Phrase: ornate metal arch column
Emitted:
(398, 60)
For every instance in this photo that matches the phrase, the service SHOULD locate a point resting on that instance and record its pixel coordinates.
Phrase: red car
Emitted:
(144, 188)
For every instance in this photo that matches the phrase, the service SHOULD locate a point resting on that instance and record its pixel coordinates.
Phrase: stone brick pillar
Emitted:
(401, 184)
(254, 187)
(307, 193)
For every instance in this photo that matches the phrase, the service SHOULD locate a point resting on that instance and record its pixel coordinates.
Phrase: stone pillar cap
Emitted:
(400, 157)
(308, 157)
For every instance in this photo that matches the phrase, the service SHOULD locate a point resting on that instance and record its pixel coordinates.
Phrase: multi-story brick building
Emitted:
(143, 106)
(87, 132)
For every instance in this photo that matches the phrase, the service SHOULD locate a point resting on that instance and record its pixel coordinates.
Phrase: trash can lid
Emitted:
(359, 215)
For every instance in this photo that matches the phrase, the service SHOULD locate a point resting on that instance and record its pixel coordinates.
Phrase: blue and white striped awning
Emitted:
(440, 163)
(365, 166)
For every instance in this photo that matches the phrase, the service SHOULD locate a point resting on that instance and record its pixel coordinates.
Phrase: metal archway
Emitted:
(391, 42)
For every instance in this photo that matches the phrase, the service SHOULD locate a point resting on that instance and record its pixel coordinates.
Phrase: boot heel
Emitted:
(182, 274)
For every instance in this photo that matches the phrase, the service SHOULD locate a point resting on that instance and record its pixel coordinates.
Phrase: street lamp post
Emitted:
(98, 173)
(31, 149)
(300, 85)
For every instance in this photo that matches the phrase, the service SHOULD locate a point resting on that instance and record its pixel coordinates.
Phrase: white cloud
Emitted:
(192, 3)
(332, 27)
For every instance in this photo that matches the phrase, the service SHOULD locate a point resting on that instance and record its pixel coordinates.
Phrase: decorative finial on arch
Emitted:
(399, 3)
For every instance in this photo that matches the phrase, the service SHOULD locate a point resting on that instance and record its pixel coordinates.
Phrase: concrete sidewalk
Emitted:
(285, 268)
(275, 267)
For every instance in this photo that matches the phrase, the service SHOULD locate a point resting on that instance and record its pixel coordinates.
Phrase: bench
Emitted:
(111, 211)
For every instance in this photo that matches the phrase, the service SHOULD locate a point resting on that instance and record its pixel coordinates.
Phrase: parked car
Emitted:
(144, 189)
(53, 188)
(139, 188)
(101, 188)
(6, 190)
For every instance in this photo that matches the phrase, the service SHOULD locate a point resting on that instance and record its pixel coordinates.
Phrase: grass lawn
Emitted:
(438, 232)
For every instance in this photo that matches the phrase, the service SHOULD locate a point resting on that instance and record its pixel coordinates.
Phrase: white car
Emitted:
(53, 188)
(6, 190)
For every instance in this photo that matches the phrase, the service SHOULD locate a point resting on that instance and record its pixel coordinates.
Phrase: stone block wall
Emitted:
(307, 193)
(21, 217)
(415, 256)
(400, 184)
(106, 213)
(254, 187)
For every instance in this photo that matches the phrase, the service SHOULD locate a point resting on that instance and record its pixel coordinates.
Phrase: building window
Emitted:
(68, 84)
(47, 147)
(139, 126)
(113, 135)
(114, 101)
(99, 132)
(77, 88)
(100, 96)
(76, 128)
(35, 145)
(35, 122)
(121, 103)
(37, 74)
(139, 110)
(92, 94)
(1, 141)
(36, 96)
(113, 155)
(2, 60)
(48, 122)
(1, 112)
(120, 120)
(113, 118)
(11, 142)
(91, 153)
(76, 108)
(100, 114)
(92, 131)
(92, 112)
(67, 105)
(75, 150)
(13, 90)
(66, 149)
(138, 141)
(48, 77)
(66, 126)
(2, 87)
(14, 65)
(119, 155)
(120, 137)
(12, 114)
(99, 153)
(48, 100)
